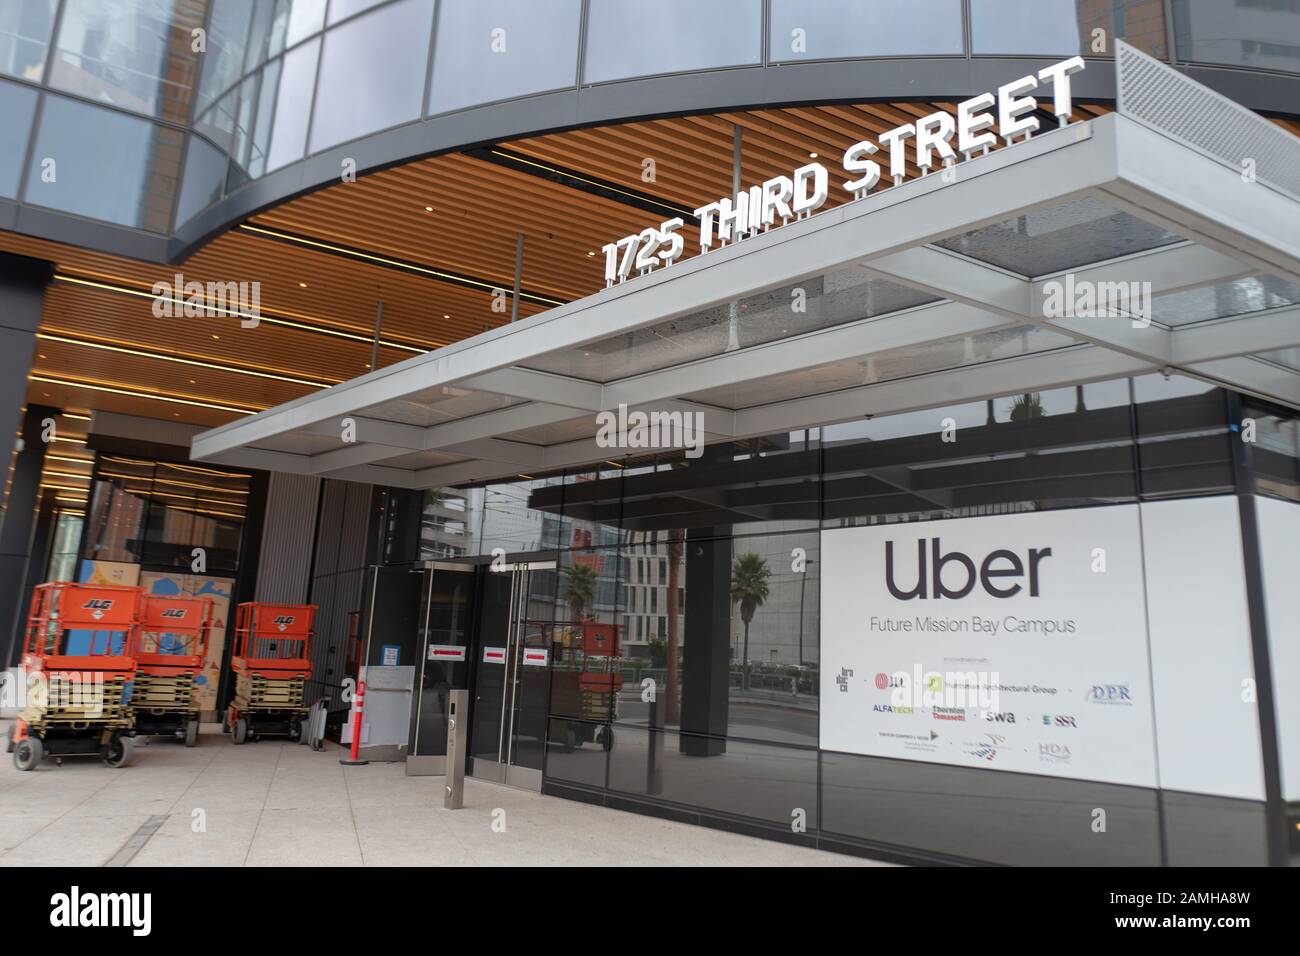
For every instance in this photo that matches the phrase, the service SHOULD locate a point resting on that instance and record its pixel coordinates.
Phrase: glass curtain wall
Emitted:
(687, 597)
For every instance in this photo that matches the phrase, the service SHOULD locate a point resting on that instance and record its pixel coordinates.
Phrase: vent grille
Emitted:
(1160, 97)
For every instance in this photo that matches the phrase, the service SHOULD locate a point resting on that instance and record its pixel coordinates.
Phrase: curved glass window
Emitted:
(670, 36)
(136, 54)
(1066, 27)
(205, 172)
(129, 177)
(306, 17)
(342, 9)
(17, 103)
(487, 50)
(227, 37)
(25, 27)
(835, 29)
(288, 122)
(1261, 34)
(372, 73)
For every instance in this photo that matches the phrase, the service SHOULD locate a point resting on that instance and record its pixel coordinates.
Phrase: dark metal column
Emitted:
(707, 645)
(19, 519)
(22, 297)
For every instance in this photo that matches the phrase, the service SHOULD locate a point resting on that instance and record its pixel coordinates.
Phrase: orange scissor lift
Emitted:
(76, 655)
(271, 660)
(169, 645)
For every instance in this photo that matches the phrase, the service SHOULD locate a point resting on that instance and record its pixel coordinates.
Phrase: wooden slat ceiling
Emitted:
(102, 348)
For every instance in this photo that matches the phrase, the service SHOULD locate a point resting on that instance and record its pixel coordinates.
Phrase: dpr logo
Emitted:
(1111, 694)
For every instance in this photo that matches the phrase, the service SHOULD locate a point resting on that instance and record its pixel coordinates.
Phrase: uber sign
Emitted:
(960, 624)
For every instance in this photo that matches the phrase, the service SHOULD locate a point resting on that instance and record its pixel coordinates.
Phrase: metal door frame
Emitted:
(432, 764)
(503, 770)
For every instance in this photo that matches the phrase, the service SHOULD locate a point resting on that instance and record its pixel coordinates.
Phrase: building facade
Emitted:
(973, 327)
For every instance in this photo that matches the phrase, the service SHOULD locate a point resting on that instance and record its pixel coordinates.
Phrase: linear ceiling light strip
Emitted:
(199, 363)
(582, 182)
(261, 317)
(69, 383)
(401, 265)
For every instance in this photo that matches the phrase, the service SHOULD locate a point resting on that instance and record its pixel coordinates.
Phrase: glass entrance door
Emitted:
(446, 611)
(512, 686)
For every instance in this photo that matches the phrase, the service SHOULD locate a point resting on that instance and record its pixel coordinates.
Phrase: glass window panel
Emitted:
(372, 73)
(1064, 447)
(538, 51)
(670, 36)
(1051, 240)
(205, 172)
(306, 17)
(245, 110)
(265, 114)
(1184, 444)
(292, 106)
(1239, 297)
(1275, 453)
(136, 54)
(25, 27)
(218, 123)
(1287, 358)
(279, 28)
(129, 178)
(1263, 34)
(733, 777)
(834, 29)
(17, 103)
(227, 42)
(259, 35)
(342, 9)
(887, 365)
(840, 296)
(1066, 27)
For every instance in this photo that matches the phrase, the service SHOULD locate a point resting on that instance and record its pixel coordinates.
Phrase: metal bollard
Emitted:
(453, 797)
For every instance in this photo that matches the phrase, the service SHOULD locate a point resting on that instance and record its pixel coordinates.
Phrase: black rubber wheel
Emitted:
(28, 753)
(9, 741)
(240, 732)
(117, 752)
(607, 737)
(295, 733)
(192, 733)
(570, 740)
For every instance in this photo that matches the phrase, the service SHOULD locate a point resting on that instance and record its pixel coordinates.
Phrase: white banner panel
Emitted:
(1014, 642)
(1279, 545)
(1207, 723)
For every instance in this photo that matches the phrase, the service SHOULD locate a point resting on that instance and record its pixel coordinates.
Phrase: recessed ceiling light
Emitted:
(302, 285)
(812, 155)
(216, 337)
(428, 209)
(446, 316)
(591, 253)
(42, 356)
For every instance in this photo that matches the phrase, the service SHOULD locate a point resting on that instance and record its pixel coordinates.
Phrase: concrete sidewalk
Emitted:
(272, 803)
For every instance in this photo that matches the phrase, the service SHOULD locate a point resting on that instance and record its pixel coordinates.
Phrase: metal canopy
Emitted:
(935, 291)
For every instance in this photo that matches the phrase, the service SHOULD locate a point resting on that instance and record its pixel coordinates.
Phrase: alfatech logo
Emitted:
(1000, 573)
